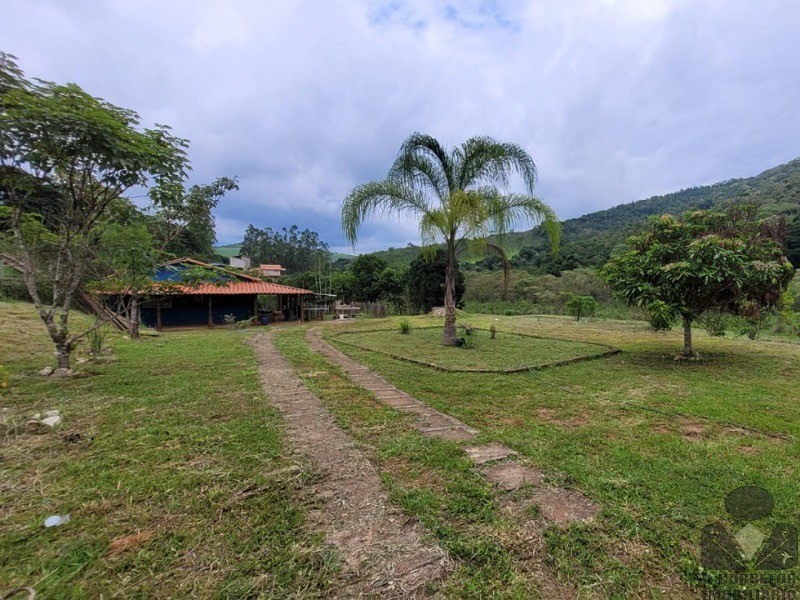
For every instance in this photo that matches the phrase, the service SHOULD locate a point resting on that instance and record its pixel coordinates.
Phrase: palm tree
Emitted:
(460, 199)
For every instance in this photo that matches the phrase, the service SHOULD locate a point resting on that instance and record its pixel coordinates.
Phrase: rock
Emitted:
(51, 413)
(53, 421)
(62, 373)
(46, 372)
(81, 361)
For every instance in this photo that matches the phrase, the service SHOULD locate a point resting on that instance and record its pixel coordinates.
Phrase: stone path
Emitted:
(493, 460)
(429, 420)
(386, 554)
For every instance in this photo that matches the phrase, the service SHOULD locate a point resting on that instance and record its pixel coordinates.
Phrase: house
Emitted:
(240, 261)
(271, 270)
(187, 292)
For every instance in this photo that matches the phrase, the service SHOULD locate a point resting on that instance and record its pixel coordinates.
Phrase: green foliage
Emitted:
(4, 378)
(662, 316)
(581, 306)
(727, 261)
(297, 251)
(405, 326)
(492, 331)
(469, 336)
(715, 322)
(426, 280)
(97, 338)
(368, 270)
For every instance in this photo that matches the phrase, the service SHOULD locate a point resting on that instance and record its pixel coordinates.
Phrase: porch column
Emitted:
(158, 314)
(255, 310)
(210, 313)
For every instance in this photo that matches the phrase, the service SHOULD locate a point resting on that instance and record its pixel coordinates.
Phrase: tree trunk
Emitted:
(63, 352)
(449, 333)
(688, 352)
(133, 320)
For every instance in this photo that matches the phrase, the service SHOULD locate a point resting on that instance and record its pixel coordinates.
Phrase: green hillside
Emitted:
(589, 240)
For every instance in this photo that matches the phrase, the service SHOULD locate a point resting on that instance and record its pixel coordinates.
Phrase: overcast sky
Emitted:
(616, 100)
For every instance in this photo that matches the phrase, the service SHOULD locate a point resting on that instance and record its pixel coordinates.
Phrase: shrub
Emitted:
(581, 306)
(714, 323)
(468, 337)
(405, 326)
(492, 331)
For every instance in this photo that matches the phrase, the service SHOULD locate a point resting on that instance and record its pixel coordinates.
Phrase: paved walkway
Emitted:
(386, 553)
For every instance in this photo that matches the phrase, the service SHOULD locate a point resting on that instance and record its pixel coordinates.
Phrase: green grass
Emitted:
(657, 481)
(506, 351)
(171, 465)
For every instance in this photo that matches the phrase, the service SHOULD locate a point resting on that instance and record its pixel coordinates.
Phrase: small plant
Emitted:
(97, 339)
(492, 331)
(581, 306)
(714, 323)
(468, 338)
(405, 326)
(3, 380)
(230, 321)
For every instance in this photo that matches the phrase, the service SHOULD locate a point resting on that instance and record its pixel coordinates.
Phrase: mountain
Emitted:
(590, 239)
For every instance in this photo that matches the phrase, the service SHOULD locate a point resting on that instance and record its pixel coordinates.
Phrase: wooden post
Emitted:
(302, 305)
(158, 314)
(255, 310)
(210, 313)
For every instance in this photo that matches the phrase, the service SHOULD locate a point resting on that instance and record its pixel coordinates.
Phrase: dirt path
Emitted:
(386, 553)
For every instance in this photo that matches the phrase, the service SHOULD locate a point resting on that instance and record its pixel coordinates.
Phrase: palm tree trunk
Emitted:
(449, 333)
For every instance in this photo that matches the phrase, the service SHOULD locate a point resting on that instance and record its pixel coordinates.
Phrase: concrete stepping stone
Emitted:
(565, 506)
(490, 452)
(509, 475)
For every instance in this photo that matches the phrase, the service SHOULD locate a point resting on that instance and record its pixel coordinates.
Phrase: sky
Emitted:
(615, 100)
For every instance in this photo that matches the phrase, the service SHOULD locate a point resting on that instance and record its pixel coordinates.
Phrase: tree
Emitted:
(460, 198)
(726, 261)
(367, 270)
(426, 280)
(581, 306)
(86, 153)
(296, 250)
(181, 221)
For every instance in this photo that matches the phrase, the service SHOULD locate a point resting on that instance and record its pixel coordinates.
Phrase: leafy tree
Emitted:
(793, 242)
(459, 197)
(296, 250)
(87, 152)
(426, 281)
(367, 270)
(581, 306)
(181, 221)
(727, 261)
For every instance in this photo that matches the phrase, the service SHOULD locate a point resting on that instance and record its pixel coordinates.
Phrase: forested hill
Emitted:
(589, 240)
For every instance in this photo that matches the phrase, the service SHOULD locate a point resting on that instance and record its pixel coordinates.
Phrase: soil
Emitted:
(385, 552)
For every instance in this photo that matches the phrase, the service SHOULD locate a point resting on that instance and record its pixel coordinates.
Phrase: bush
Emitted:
(715, 322)
(405, 326)
(492, 331)
(581, 306)
(468, 337)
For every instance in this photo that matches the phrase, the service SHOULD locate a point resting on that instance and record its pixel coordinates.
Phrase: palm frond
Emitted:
(421, 145)
(381, 197)
(483, 160)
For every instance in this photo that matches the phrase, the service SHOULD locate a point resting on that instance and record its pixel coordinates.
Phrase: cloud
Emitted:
(615, 99)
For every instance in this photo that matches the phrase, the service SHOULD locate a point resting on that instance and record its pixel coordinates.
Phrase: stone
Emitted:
(62, 373)
(46, 372)
(81, 361)
(53, 421)
(509, 475)
(489, 453)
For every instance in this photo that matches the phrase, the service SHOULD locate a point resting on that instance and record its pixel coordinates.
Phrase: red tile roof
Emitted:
(238, 287)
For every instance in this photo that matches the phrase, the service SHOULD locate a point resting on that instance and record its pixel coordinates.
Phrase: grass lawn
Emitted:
(171, 465)
(657, 442)
(507, 351)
